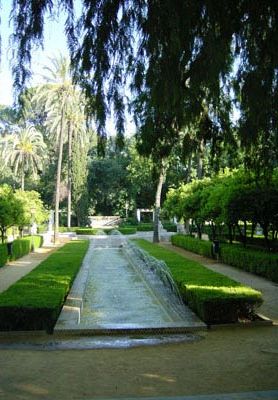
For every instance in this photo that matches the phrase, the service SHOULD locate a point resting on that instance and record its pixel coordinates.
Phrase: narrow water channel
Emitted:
(117, 294)
(112, 292)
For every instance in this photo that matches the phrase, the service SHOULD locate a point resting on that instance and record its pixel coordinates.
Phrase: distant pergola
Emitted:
(144, 210)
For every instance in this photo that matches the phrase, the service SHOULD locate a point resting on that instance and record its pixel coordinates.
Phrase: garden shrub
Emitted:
(127, 230)
(202, 247)
(3, 254)
(170, 227)
(35, 301)
(86, 231)
(213, 296)
(144, 227)
(23, 246)
(258, 262)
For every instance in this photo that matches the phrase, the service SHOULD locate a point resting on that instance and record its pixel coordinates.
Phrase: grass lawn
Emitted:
(213, 296)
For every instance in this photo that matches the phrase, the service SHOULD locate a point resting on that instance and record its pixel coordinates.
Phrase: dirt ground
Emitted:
(224, 361)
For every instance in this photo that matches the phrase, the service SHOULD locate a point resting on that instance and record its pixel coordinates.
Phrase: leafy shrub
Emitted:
(190, 243)
(255, 261)
(129, 222)
(127, 231)
(21, 247)
(3, 254)
(36, 240)
(144, 227)
(86, 231)
(213, 296)
(35, 301)
(170, 227)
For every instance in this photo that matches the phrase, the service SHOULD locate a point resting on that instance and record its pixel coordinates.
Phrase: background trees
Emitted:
(181, 68)
(24, 151)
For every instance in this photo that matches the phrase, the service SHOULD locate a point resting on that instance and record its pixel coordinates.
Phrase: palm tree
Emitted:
(59, 96)
(24, 151)
(76, 131)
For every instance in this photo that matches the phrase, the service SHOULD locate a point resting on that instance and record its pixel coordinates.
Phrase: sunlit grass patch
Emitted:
(213, 296)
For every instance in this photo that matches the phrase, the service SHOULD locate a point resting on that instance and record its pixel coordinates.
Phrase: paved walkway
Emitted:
(14, 270)
(269, 289)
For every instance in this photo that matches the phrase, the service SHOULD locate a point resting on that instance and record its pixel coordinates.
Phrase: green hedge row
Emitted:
(251, 260)
(144, 227)
(23, 246)
(169, 227)
(213, 296)
(3, 254)
(35, 301)
(202, 247)
(86, 231)
(19, 248)
(258, 262)
(127, 230)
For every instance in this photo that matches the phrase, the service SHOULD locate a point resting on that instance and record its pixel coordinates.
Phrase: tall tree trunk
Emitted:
(69, 173)
(58, 179)
(162, 174)
(200, 159)
(22, 175)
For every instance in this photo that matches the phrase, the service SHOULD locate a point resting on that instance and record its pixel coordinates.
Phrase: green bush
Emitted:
(86, 231)
(35, 301)
(255, 261)
(213, 296)
(144, 227)
(21, 247)
(127, 230)
(3, 254)
(202, 247)
(169, 227)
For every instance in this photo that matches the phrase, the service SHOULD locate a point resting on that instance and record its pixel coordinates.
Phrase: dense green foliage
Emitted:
(128, 230)
(257, 262)
(23, 246)
(251, 260)
(35, 301)
(230, 199)
(11, 210)
(3, 254)
(214, 297)
(86, 231)
(202, 247)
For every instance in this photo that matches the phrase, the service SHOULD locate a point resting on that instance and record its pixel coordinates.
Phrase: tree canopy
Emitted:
(172, 54)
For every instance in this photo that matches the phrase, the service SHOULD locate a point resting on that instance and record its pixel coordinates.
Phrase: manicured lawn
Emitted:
(35, 301)
(213, 296)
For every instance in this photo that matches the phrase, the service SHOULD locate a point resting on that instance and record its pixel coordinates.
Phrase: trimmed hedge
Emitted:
(256, 261)
(35, 301)
(213, 296)
(86, 231)
(202, 247)
(127, 230)
(144, 227)
(3, 254)
(169, 227)
(23, 246)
